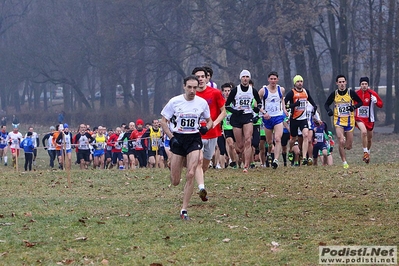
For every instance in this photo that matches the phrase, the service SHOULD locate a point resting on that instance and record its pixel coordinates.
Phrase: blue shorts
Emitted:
(166, 143)
(273, 121)
(98, 153)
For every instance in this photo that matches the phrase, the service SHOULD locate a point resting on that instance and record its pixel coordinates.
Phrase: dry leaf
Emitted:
(104, 262)
(3, 254)
(28, 214)
(232, 226)
(156, 264)
(29, 244)
(82, 238)
(226, 240)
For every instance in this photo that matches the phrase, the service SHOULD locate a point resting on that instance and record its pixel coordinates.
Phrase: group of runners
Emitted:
(288, 119)
(233, 126)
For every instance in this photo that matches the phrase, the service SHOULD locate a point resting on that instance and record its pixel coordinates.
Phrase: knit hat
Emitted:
(66, 125)
(245, 73)
(139, 122)
(52, 128)
(364, 79)
(297, 78)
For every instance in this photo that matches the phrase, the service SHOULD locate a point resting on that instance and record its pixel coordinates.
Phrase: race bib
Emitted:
(319, 137)
(343, 109)
(187, 123)
(302, 104)
(363, 111)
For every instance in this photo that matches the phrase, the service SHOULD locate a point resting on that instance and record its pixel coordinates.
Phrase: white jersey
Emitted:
(309, 116)
(273, 102)
(185, 115)
(243, 100)
(50, 144)
(212, 84)
(15, 139)
(35, 138)
(67, 141)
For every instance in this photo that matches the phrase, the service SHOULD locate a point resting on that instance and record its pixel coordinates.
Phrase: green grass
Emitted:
(131, 217)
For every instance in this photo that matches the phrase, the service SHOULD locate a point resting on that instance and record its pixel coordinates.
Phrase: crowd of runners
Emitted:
(231, 127)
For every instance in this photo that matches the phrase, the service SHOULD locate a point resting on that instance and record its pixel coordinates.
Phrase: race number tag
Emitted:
(343, 109)
(188, 123)
(363, 111)
(302, 104)
(319, 137)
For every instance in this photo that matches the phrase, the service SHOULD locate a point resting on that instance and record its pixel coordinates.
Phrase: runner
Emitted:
(115, 142)
(28, 147)
(364, 115)
(14, 139)
(298, 98)
(344, 118)
(64, 140)
(3, 144)
(48, 145)
(36, 143)
(185, 111)
(82, 141)
(228, 130)
(239, 104)
(274, 112)
(140, 143)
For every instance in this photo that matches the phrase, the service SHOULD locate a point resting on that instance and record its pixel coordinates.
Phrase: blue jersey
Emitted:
(27, 145)
(3, 137)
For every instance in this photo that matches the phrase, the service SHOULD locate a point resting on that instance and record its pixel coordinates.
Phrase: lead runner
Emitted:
(183, 112)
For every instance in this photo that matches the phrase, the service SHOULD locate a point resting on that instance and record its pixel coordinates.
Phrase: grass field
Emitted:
(117, 217)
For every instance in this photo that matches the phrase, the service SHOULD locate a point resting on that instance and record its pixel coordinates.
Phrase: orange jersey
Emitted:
(55, 136)
(299, 112)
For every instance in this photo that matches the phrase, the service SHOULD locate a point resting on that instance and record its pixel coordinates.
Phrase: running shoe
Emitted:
(233, 165)
(290, 156)
(269, 159)
(305, 161)
(275, 163)
(346, 165)
(218, 166)
(252, 165)
(245, 170)
(202, 194)
(366, 157)
(296, 164)
(184, 216)
(310, 161)
(5, 164)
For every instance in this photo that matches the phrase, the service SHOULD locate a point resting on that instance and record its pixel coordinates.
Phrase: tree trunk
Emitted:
(343, 34)
(396, 80)
(389, 53)
(318, 92)
(334, 54)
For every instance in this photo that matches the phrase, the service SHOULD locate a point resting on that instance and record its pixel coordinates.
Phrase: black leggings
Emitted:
(28, 161)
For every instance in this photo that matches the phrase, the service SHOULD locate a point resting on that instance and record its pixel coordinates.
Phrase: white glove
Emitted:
(373, 99)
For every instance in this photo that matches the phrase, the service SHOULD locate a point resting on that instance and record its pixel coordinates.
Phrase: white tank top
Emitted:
(243, 100)
(273, 102)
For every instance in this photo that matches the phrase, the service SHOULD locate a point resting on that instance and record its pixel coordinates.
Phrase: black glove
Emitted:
(45, 148)
(330, 112)
(351, 108)
(256, 109)
(174, 143)
(203, 130)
